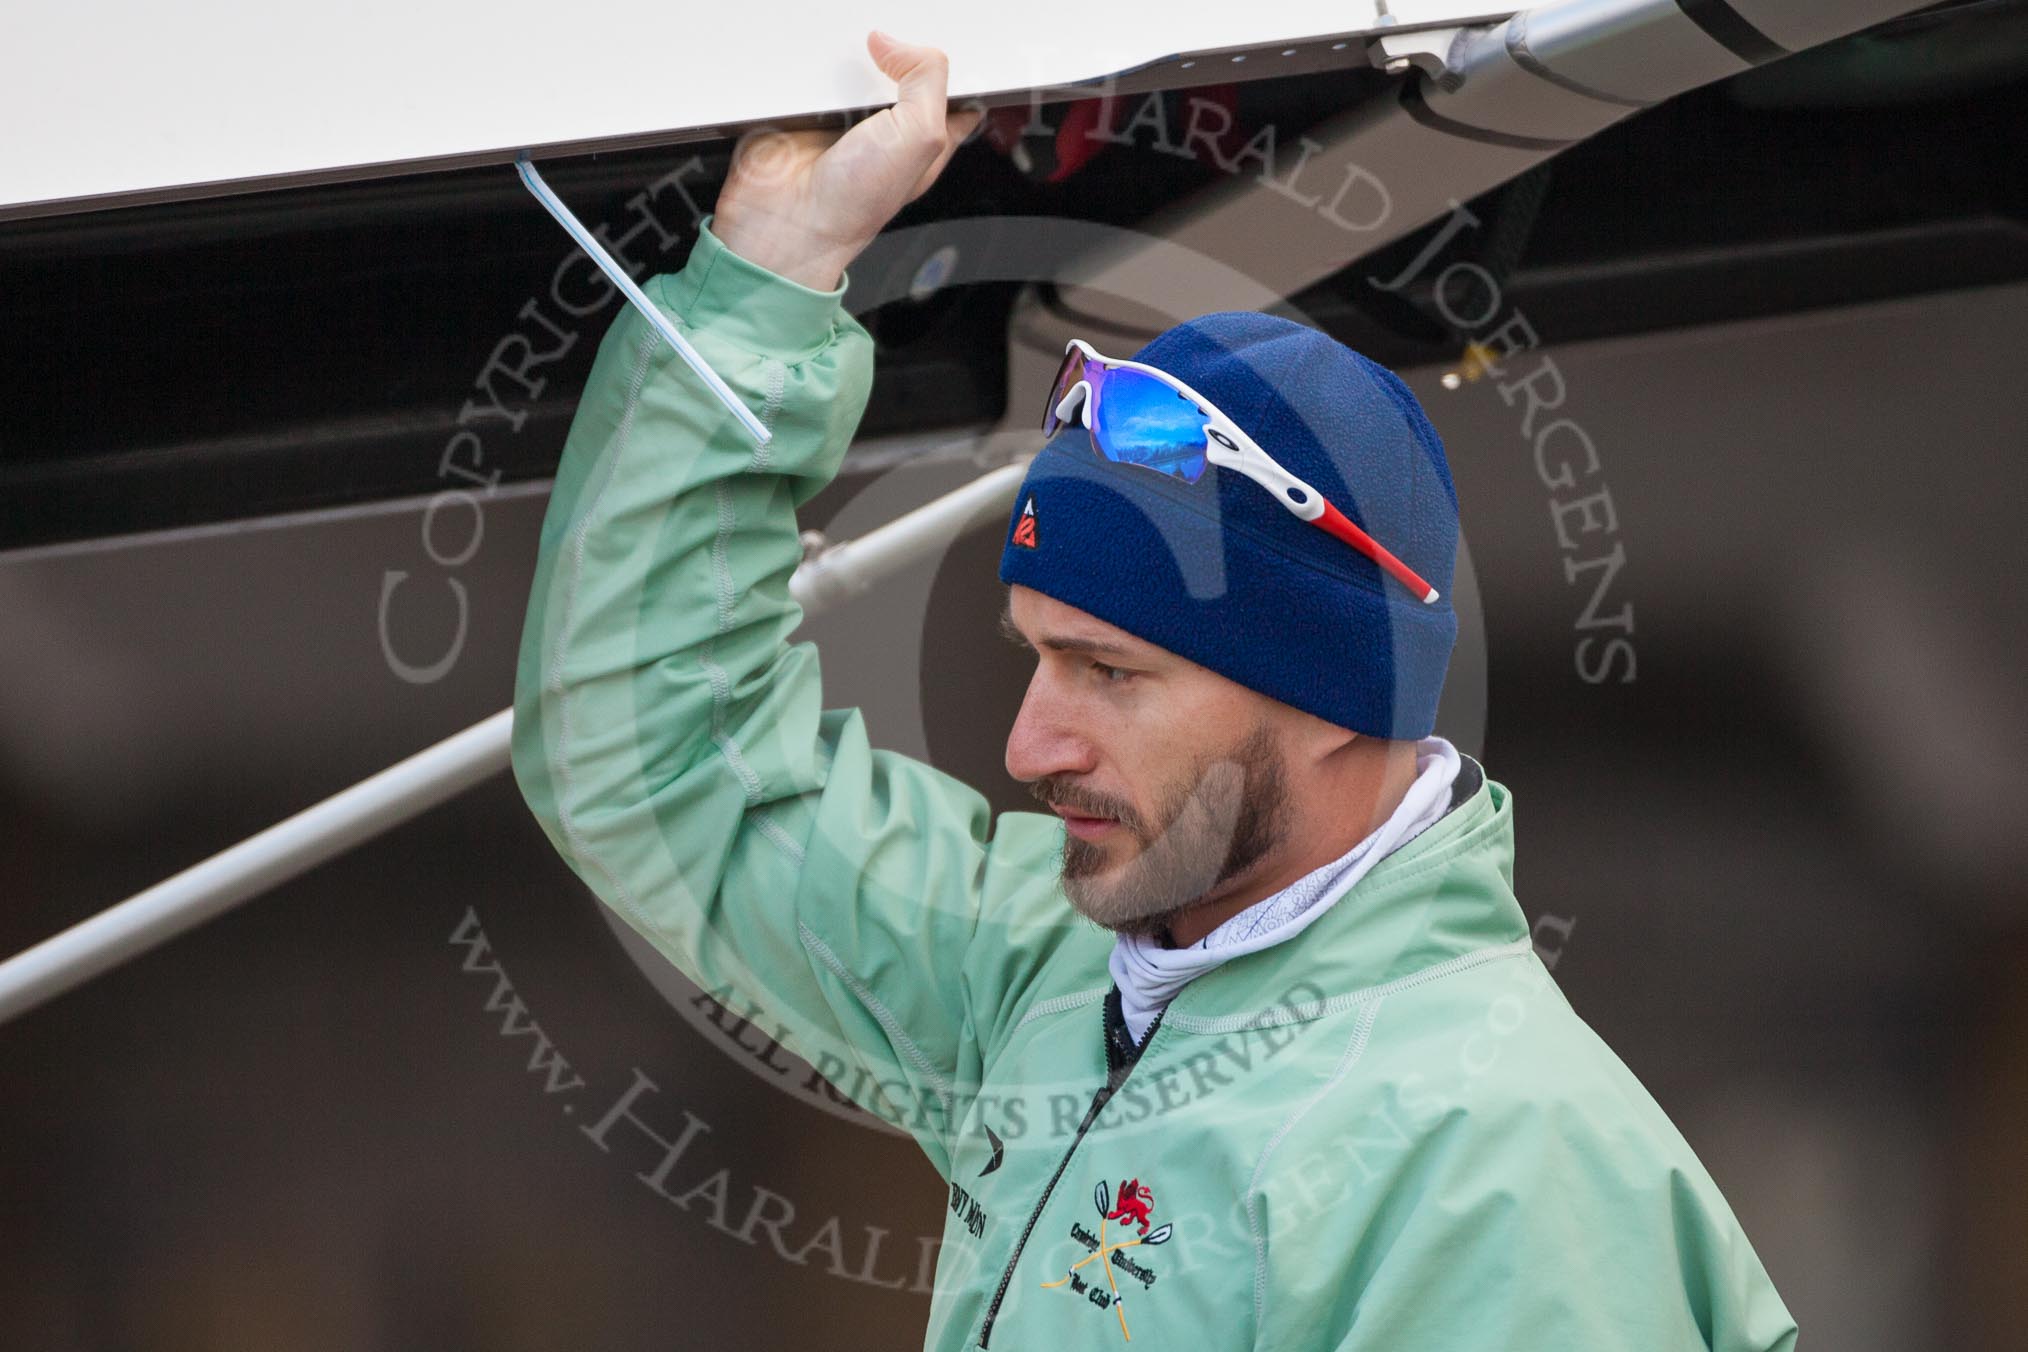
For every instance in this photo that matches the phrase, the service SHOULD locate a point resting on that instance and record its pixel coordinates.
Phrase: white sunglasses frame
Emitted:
(1228, 446)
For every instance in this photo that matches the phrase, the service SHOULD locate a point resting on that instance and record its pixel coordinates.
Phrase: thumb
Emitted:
(921, 74)
(957, 126)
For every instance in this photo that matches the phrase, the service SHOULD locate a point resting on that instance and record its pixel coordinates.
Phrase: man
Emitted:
(1305, 1083)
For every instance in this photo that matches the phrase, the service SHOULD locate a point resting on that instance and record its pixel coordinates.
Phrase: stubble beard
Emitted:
(1216, 822)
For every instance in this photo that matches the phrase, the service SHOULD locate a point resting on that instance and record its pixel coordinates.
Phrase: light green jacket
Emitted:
(1389, 1133)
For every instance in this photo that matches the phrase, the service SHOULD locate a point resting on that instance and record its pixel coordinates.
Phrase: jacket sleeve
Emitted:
(670, 741)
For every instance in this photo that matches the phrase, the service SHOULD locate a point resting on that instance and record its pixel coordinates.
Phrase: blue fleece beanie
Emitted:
(1221, 573)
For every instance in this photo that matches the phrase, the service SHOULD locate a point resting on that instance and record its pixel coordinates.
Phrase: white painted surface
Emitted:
(106, 99)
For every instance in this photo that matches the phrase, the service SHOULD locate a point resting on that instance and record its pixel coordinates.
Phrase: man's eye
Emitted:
(1112, 675)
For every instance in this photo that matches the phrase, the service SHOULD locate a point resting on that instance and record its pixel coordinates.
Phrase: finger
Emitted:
(962, 123)
(958, 126)
(921, 75)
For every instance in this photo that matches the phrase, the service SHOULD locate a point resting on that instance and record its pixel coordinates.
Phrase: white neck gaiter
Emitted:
(1149, 975)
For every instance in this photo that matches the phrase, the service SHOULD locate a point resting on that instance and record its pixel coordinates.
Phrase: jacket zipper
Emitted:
(1119, 1065)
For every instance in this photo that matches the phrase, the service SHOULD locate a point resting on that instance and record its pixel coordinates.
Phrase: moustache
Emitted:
(1077, 801)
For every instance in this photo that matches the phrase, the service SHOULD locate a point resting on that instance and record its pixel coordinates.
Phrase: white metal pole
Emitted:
(412, 786)
(292, 846)
(848, 569)
(610, 266)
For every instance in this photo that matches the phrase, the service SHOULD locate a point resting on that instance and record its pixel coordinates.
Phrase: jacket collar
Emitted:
(1445, 899)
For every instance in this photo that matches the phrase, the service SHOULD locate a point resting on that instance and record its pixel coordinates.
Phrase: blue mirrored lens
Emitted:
(1141, 421)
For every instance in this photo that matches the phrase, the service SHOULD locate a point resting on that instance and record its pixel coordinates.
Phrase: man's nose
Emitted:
(1045, 738)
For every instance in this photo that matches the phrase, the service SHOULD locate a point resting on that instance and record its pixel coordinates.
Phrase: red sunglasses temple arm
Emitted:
(1341, 526)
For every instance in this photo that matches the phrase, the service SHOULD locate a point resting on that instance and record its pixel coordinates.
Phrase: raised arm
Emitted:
(668, 737)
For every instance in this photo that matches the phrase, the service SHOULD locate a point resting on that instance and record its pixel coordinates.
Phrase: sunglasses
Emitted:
(1139, 415)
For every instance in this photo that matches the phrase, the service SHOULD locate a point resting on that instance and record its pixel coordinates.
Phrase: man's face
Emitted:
(1170, 777)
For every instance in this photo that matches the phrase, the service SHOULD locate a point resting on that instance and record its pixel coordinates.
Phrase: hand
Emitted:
(803, 204)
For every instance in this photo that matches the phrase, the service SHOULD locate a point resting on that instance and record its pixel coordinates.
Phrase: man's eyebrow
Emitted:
(1011, 633)
(1064, 643)
(1097, 647)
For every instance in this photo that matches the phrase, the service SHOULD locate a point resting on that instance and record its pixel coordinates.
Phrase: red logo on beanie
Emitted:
(1024, 529)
